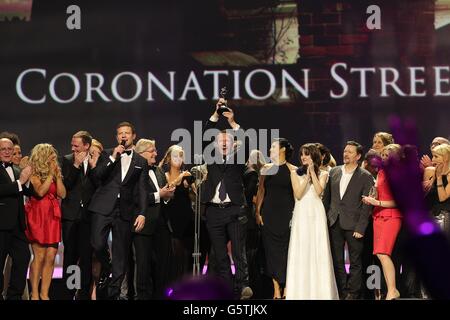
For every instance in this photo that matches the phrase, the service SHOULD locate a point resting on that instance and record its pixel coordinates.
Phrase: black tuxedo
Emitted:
(117, 214)
(227, 222)
(132, 190)
(346, 216)
(76, 222)
(12, 237)
(146, 243)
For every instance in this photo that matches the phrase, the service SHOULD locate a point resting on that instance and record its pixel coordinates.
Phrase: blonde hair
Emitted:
(144, 144)
(168, 155)
(442, 150)
(385, 137)
(39, 160)
(98, 144)
(393, 147)
(256, 160)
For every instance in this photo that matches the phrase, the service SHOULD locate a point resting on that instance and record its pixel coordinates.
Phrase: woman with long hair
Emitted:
(310, 272)
(43, 214)
(178, 210)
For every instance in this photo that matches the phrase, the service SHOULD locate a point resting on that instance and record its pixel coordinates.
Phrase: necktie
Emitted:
(7, 164)
(153, 168)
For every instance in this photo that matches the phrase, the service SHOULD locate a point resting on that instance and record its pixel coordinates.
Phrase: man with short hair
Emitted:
(13, 241)
(79, 180)
(224, 199)
(348, 218)
(118, 205)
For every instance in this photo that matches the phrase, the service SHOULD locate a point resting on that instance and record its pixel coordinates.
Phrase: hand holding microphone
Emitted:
(119, 149)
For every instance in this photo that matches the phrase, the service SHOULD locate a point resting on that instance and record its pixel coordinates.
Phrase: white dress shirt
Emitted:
(85, 164)
(216, 198)
(152, 176)
(345, 180)
(125, 161)
(10, 172)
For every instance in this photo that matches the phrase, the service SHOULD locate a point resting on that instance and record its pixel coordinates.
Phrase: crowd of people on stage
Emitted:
(292, 225)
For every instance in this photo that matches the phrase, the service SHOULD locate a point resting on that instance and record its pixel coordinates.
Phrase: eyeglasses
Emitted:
(154, 150)
(6, 149)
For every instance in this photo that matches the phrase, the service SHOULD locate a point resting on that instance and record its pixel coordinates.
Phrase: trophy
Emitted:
(223, 108)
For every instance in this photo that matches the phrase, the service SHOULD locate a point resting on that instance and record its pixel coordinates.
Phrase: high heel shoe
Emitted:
(394, 297)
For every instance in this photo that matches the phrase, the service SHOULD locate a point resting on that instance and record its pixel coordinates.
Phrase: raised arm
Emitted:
(299, 185)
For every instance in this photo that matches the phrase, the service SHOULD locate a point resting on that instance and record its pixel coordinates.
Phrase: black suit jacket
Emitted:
(79, 186)
(132, 190)
(11, 200)
(352, 212)
(232, 172)
(154, 209)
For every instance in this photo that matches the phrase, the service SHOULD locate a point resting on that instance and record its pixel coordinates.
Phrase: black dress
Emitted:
(179, 213)
(441, 210)
(276, 212)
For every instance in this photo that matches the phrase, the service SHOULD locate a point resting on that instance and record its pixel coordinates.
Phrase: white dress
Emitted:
(310, 273)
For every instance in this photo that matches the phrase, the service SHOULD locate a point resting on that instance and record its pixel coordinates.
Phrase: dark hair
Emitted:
(126, 124)
(373, 160)
(325, 152)
(11, 136)
(313, 151)
(284, 143)
(359, 147)
(85, 137)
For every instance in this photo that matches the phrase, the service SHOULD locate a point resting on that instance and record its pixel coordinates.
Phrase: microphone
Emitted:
(199, 172)
(123, 142)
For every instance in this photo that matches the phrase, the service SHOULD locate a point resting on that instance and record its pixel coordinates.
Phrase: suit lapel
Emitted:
(4, 173)
(337, 181)
(130, 169)
(352, 182)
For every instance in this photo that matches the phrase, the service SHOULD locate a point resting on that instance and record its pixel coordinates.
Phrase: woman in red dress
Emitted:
(387, 221)
(43, 214)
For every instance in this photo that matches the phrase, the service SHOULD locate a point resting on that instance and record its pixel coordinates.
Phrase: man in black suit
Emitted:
(348, 218)
(80, 183)
(12, 221)
(119, 204)
(223, 196)
(143, 241)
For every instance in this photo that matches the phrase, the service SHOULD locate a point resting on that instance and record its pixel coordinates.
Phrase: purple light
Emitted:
(426, 228)
(169, 292)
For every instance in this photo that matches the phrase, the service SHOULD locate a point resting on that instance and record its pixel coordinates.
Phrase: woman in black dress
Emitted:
(178, 211)
(274, 206)
(436, 182)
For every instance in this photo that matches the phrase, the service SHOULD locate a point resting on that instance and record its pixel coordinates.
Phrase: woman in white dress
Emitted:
(310, 273)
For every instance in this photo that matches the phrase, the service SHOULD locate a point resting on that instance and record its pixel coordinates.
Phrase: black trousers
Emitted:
(142, 251)
(163, 258)
(78, 251)
(223, 225)
(15, 244)
(121, 241)
(338, 238)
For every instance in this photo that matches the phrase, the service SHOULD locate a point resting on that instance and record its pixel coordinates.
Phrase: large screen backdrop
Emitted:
(325, 71)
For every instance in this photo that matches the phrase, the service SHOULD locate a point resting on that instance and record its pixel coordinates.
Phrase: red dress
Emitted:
(386, 221)
(44, 218)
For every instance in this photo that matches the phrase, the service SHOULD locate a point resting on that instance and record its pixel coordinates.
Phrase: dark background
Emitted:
(160, 36)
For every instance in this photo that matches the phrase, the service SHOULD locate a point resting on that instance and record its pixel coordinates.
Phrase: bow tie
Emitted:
(153, 168)
(127, 152)
(7, 164)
